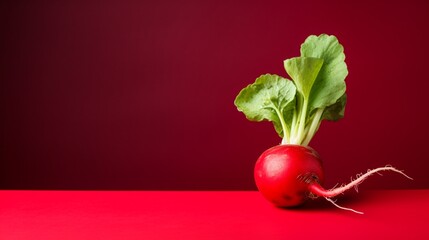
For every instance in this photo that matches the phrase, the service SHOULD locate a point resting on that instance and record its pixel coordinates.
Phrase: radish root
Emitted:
(318, 190)
(344, 208)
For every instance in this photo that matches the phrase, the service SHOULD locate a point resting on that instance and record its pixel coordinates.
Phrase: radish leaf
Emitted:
(303, 71)
(329, 85)
(270, 98)
(316, 92)
(336, 110)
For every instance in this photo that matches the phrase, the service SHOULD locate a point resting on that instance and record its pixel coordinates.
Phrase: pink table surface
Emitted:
(389, 214)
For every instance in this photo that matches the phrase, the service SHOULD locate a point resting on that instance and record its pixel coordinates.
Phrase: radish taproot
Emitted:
(292, 172)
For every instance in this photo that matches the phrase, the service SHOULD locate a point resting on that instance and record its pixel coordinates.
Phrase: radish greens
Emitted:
(315, 92)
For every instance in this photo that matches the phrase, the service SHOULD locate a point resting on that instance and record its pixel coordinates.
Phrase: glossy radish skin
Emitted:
(284, 173)
(288, 174)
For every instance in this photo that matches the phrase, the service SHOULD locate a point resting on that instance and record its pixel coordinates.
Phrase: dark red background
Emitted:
(139, 94)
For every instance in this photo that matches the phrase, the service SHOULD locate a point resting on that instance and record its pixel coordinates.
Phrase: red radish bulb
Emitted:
(283, 173)
(289, 174)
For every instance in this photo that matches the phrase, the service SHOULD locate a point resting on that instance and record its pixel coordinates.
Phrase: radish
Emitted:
(290, 173)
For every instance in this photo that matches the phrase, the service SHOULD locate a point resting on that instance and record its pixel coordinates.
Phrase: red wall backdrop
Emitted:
(139, 94)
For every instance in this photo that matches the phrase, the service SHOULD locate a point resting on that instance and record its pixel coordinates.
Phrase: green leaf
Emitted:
(270, 98)
(297, 107)
(303, 71)
(329, 85)
(336, 111)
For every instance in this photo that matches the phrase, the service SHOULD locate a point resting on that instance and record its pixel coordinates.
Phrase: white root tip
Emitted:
(390, 168)
(355, 183)
(361, 177)
(343, 208)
